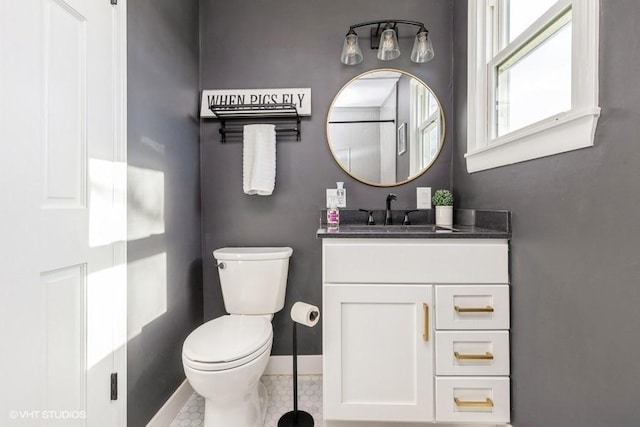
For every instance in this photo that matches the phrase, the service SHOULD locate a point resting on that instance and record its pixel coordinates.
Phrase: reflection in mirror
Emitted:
(385, 127)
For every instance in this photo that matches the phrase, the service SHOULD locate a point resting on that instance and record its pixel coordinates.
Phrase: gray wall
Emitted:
(288, 43)
(164, 249)
(574, 261)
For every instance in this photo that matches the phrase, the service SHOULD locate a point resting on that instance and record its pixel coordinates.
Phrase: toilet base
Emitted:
(249, 411)
(263, 396)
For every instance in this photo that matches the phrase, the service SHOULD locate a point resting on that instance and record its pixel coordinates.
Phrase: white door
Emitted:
(62, 212)
(378, 352)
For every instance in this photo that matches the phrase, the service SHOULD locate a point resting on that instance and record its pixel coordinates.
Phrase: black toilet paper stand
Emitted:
(295, 418)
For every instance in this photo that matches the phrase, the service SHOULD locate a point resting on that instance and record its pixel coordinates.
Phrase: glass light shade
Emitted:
(422, 48)
(351, 53)
(388, 48)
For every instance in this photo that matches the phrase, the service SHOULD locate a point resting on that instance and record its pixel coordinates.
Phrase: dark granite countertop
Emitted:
(468, 224)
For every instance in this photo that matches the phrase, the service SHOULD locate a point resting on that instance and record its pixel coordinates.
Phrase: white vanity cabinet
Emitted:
(415, 331)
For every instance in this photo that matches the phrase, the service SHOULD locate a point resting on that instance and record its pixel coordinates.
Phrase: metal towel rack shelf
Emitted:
(241, 114)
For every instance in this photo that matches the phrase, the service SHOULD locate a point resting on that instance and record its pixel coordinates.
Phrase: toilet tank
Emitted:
(253, 280)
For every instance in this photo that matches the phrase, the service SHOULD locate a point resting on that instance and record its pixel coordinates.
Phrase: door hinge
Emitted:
(114, 2)
(114, 382)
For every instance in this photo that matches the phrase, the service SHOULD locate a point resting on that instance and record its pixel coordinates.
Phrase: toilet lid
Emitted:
(252, 253)
(227, 338)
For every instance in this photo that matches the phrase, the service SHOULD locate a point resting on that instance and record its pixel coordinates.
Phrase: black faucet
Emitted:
(370, 220)
(406, 220)
(387, 219)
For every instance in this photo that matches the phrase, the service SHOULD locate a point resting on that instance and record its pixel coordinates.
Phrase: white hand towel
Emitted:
(259, 159)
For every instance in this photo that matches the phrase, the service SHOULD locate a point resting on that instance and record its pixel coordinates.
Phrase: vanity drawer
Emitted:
(472, 399)
(415, 261)
(472, 353)
(472, 307)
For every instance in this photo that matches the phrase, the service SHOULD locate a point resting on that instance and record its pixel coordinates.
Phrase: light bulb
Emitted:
(422, 47)
(351, 53)
(388, 49)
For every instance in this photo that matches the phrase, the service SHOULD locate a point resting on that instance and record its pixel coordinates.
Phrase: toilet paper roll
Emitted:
(305, 314)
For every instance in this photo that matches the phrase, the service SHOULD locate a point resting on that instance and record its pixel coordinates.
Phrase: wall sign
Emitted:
(301, 97)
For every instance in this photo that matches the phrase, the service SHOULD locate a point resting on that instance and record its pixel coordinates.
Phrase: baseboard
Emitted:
(335, 423)
(172, 406)
(283, 365)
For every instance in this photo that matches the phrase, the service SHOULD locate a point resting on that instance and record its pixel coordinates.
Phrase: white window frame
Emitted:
(566, 131)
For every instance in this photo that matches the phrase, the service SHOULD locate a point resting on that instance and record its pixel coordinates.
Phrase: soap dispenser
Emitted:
(333, 216)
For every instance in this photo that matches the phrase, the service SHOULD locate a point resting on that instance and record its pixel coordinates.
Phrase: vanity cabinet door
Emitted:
(378, 352)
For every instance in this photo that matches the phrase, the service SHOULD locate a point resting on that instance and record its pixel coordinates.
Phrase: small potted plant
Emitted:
(443, 201)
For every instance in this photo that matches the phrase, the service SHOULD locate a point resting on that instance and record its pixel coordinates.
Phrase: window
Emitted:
(425, 113)
(533, 79)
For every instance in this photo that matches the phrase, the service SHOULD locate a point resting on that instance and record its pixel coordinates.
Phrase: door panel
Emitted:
(65, 375)
(368, 330)
(64, 116)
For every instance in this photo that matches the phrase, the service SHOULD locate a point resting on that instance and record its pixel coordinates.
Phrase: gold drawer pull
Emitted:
(473, 403)
(486, 356)
(487, 309)
(425, 334)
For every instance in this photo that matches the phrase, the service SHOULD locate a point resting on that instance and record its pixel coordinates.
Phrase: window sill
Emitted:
(566, 132)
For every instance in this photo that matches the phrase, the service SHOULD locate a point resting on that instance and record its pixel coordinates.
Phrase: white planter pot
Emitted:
(444, 216)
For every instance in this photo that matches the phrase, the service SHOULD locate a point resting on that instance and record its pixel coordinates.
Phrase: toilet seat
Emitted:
(222, 366)
(227, 342)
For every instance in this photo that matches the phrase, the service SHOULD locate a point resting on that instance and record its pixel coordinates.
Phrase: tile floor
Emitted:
(280, 389)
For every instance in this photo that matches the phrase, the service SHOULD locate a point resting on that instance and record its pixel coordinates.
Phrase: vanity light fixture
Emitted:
(384, 37)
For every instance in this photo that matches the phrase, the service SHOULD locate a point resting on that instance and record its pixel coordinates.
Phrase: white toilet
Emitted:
(224, 358)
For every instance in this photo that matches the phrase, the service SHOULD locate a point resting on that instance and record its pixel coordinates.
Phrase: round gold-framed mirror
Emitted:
(385, 127)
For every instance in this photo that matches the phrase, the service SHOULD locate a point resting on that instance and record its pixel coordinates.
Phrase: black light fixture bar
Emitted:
(382, 25)
(422, 48)
(393, 22)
